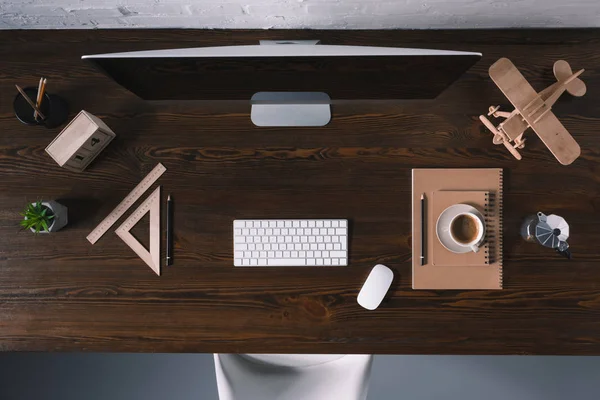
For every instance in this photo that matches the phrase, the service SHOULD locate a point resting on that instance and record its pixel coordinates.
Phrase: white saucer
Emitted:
(443, 223)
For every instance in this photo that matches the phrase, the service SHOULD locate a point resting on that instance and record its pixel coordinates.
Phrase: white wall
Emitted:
(287, 14)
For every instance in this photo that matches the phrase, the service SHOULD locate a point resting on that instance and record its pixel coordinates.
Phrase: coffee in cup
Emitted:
(467, 229)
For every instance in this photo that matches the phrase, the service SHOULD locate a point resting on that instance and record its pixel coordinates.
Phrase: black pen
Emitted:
(169, 231)
(423, 229)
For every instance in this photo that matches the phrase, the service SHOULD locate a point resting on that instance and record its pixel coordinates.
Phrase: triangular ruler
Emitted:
(152, 205)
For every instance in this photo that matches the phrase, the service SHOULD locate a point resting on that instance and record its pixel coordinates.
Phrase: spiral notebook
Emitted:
(444, 269)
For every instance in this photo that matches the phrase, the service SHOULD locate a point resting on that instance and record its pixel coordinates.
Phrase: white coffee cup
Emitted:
(467, 229)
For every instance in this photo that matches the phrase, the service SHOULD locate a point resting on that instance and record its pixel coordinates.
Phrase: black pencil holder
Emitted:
(54, 108)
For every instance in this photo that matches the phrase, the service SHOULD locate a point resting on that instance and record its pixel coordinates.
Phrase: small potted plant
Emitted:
(44, 216)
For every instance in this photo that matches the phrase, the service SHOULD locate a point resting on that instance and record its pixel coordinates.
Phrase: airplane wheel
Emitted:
(498, 139)
(492, 110)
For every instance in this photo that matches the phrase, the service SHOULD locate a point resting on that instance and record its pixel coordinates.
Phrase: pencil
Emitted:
(29, 101)
(423, 229)
(169, 231)
(40, 96)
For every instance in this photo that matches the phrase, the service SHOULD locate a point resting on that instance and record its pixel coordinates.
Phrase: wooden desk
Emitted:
(58, 292)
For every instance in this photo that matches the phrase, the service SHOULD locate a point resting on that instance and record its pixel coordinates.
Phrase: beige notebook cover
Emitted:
(441, 200)
(429, 181)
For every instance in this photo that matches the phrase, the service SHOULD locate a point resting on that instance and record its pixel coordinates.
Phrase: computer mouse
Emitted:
(375, 287)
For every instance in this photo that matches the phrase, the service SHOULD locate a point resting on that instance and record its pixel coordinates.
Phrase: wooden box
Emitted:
(80, 142)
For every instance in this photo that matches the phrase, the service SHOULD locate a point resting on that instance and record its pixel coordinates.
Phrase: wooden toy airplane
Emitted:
(532, 110)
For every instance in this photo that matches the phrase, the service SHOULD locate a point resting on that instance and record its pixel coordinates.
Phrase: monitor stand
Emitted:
(290, 108)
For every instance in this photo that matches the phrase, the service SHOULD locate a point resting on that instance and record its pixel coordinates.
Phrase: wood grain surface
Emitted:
(59, 293)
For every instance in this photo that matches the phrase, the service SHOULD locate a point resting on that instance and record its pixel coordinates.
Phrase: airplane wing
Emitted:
(556, 137)
(513, 84)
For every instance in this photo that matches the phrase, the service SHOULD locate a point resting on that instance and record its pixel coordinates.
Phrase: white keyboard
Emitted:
(290, 242)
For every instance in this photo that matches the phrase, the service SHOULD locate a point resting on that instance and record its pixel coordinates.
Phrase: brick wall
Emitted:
(329, 14)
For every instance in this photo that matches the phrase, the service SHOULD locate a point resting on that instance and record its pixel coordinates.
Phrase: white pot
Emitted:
(60, 216)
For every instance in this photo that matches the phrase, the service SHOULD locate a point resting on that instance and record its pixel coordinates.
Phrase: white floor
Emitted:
(191, 376)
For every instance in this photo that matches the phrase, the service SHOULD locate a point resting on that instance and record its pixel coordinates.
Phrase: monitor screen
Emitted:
(238, 72)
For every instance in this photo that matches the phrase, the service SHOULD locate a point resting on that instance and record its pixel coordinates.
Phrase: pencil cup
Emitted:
(53, 107)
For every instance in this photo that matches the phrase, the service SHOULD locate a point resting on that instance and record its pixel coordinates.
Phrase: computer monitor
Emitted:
(290, 83)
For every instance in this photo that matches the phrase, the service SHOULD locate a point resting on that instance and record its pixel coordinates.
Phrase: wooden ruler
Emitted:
(152, 256)
(127, 202)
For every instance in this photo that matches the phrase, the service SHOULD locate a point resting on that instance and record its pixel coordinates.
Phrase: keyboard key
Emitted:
(315, 231)
(343, 223)
(335, 261)
(240, 239)
(245, 231)
(255, 262)
(280, 239)
(296, 224)
(305, 246)
(292, 231)
(303, 224)
(288, 224)
(327, 261)
(328, 246)
(241, 246)
(319, 224)
(269, 232)
(252, 232)
(337, 246)
(343, 245)
(318, 254)
(238, 254)
(285, 231)
(270, 254)
(267, 246)
(340, 231)
(262, 262)
(237, 232)
(314, 246)
(323, 231)
(311, 239)
(294, 254)
(239, 224)
(327, 239)
(337, 254)
(335, 224)
(255, 254)
(320, 239)
(286, 262)
(327, 224)
(264, 239)
(297, 246)
(259, 246)
(264, 224)
(311, 261)
(296, 239)
(288, 239)
(280, 224)
(263, 254)
(321, 246)
(272, 224)
(251, 246)
(279, 254)
(246, 262)
(320, 261)
(237, 262)
(343, 261)
(260, 232)
(303, 239)
(277, 232)
(247, 254)
(330, 231)
(302, 254)
(310, 254)
(286, 254)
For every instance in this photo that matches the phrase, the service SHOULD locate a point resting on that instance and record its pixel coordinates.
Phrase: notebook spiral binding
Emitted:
(500, 226)
(493, 219)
